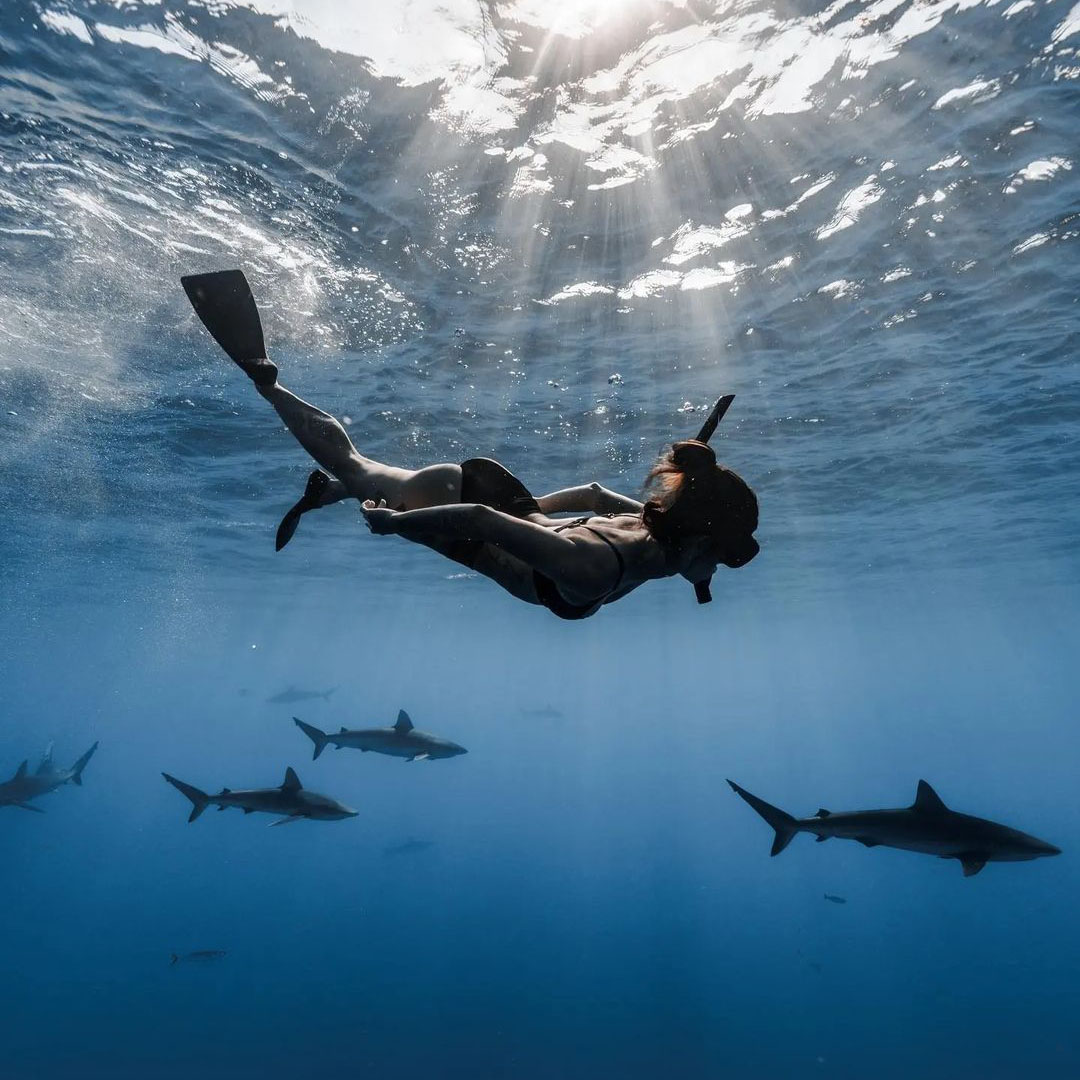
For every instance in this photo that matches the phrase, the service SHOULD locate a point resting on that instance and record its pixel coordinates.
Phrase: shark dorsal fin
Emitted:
(226, 791)
(292, 781)
(927, 800)
(403, 724)
(343, 729)
(21, 770)
(822, 813)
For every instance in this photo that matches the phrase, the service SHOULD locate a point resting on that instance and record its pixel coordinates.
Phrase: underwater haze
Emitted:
(552, 233)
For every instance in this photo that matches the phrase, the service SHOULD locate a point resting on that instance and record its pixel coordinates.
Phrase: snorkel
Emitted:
(701, 588)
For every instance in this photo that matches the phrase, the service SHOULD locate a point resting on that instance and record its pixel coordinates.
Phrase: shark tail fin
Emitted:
(785, 825)
(174, 959)
(199, 799)
(77, 768)
(319, 738)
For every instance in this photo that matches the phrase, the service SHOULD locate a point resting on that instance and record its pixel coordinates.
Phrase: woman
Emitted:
(698, 515)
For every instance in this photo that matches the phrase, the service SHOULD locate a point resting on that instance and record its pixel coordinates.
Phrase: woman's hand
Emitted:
(380, 519)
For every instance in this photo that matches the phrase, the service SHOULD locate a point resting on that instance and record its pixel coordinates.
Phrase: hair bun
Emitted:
(692, 457)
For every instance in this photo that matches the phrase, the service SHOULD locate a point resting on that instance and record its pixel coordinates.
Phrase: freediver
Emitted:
(698, 514)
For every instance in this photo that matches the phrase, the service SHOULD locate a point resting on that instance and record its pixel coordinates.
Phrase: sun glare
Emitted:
(571, 18)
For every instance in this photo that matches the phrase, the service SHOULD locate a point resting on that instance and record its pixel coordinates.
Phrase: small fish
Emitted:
(408, 847)
(835, 899)
(542, 712)
(199, 956)
(291, 695)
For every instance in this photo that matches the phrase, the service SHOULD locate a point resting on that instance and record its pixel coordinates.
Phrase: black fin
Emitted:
(404, 724)
(822, 813)
(822, 839)
(972, 862)
(291, 781)
(224, 303)
(866, 842)
(785, 825)
(927, 800)
(317, 484)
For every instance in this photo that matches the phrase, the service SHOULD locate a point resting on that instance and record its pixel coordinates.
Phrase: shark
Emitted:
(292, 695)
(402, 740)
(25, 785)
(291, 801)
(927, 826)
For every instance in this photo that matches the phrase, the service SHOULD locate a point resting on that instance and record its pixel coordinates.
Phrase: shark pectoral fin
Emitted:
(286, 820)
(419, 757)
(822, 839)
(972, 862)
(27, 806)
(867, 842)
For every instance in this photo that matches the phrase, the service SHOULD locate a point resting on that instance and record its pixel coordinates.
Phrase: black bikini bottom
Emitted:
(488, 483)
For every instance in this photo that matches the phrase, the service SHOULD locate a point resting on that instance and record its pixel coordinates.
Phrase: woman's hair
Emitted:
(690, 495)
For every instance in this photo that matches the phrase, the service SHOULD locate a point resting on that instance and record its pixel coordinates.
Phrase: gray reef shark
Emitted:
(291, 801)
(24, 785)
(927, 826)
(402, 740)
(291, 696)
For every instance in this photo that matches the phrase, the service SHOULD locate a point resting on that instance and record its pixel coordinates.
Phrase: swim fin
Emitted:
(224, 303)
(317, 484)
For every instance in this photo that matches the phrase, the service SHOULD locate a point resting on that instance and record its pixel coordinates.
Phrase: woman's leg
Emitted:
(324, 438)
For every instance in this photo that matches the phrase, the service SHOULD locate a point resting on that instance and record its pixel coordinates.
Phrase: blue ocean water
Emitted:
(552, 233)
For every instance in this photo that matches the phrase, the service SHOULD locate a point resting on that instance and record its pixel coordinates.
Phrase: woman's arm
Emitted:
(588, 497)
(543, 549)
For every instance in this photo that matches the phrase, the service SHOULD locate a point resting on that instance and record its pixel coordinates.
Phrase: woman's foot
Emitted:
(317, 484)
(262, 372)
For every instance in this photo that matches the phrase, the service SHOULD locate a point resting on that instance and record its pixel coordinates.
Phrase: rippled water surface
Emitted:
(463, 219)
(551, 232)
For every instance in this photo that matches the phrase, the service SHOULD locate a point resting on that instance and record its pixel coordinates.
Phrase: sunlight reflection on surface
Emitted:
(570, 18)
